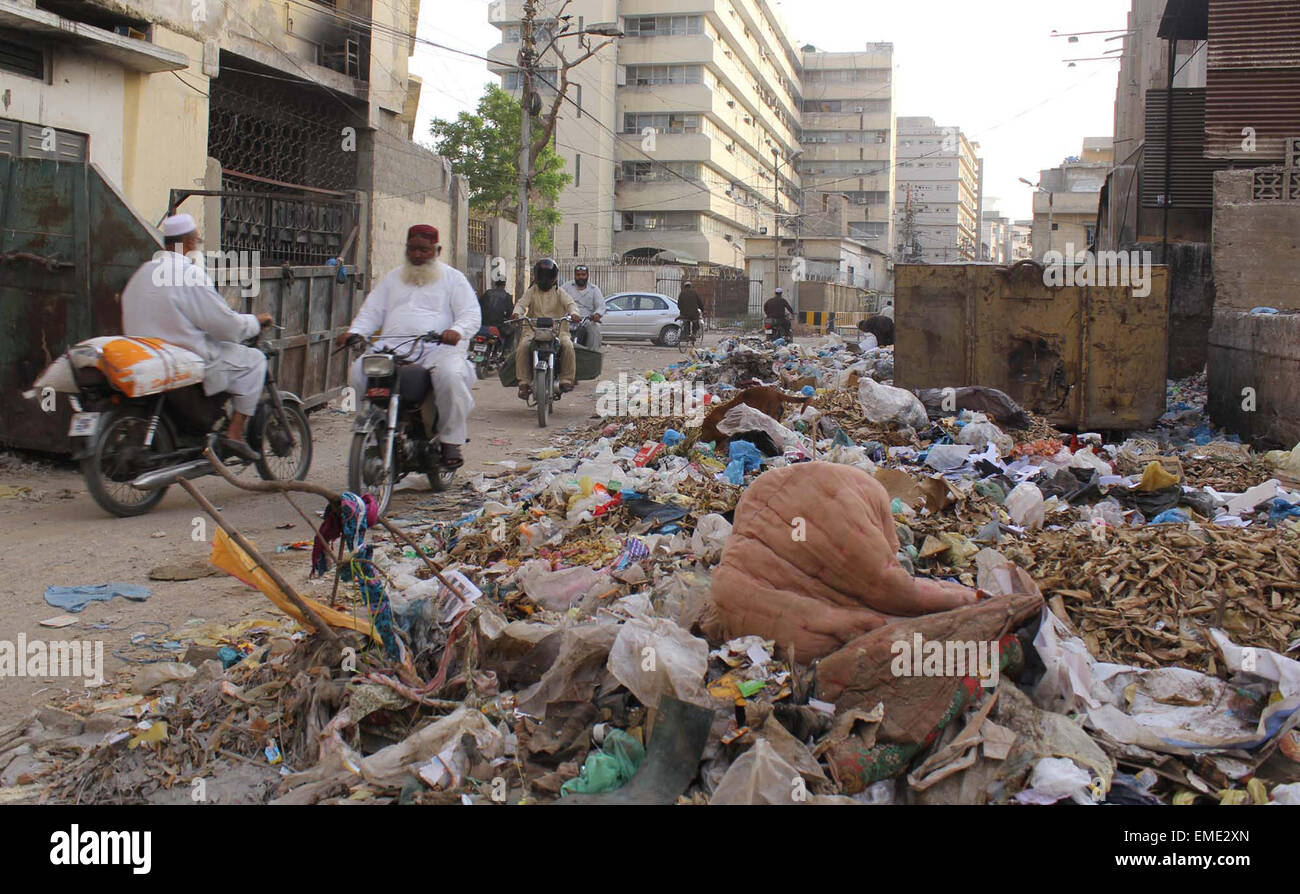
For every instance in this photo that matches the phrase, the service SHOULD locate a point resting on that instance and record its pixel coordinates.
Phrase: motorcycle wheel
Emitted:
(365, 463)
(294, 464)
(119, 431)
(544, 393)
(480, 370)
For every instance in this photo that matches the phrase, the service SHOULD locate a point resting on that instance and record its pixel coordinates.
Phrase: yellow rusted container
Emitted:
(1088, 358)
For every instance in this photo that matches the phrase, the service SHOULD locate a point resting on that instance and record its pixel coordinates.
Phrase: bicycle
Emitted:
(690, 336)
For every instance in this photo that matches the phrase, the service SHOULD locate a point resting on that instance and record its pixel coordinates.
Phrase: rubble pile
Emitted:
(585, 635)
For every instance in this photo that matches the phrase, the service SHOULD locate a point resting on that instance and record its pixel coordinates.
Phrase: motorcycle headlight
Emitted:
(377, 366)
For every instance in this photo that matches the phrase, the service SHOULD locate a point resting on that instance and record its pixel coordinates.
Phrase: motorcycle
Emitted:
(487, 351)
(777, 328)
(131, 449)
(396, 431)
(545, 344)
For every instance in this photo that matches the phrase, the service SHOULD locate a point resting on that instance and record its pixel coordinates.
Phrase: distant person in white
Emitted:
(172, 298)
(590, 301)
(426, 295)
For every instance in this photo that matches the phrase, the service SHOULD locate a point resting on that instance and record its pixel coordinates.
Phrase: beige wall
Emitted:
(1256, 255)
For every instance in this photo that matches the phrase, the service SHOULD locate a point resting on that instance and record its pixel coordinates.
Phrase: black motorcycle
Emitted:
(396, 431)
(774, 328)
(132, 449)
(487, 351)
(544, 333)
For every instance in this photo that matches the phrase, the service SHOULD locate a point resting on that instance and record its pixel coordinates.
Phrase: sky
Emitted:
(990, 67)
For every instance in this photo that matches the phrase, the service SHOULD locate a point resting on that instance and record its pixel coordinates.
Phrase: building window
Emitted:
(652, 26)
(650, 75)
(662, 123)
(18, 56)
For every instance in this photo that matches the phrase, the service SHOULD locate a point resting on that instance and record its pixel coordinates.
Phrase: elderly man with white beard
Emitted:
(426, 295)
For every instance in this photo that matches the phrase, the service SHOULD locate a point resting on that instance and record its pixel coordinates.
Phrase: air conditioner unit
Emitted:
(860, 109)
(620, 76)
(619, 174)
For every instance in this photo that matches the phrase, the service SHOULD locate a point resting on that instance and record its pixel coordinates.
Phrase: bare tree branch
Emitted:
(561, 90)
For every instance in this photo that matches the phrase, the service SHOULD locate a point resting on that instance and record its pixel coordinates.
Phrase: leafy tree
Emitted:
(484, 146)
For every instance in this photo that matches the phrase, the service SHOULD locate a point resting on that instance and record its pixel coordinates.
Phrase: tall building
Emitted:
(685, 130)
(937, 193)
(849, 135)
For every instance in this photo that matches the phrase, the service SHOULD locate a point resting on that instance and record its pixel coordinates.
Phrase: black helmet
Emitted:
(546, 273)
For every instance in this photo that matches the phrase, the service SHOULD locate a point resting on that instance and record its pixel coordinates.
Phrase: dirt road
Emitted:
(57, 536)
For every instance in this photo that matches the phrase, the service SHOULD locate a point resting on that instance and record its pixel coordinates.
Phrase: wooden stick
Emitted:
(308, 612)
(276, 487)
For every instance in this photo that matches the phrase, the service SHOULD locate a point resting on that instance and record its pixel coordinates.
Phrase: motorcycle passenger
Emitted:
(496, 304)
(545, 299)
(171, 298)
(778, 309)
(426, 295)
(590, 301)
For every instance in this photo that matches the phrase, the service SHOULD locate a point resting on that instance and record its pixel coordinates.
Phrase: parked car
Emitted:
(641, 315)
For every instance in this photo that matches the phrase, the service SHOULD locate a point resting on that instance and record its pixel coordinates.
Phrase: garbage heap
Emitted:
(807, 586)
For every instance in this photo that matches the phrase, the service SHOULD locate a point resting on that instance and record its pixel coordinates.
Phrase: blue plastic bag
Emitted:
(748, 453)
(735, 472)
(672, 437)
(1171, 517)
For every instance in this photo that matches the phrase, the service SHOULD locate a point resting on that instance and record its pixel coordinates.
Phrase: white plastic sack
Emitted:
(744, 418)
(981, 434)
(1025, 505)
(946, 457)
(1055, 778)
(711, 533)
(883, 404)
(654, 657)
(1086, 459)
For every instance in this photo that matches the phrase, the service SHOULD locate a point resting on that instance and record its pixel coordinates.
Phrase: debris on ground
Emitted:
(849, 593)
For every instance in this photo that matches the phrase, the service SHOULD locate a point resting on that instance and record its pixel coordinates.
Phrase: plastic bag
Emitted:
(760, 776)
(886, 404)
(747, 453)
(946, 457)
(1025, 506)
(653, 657)
(1055, 778)
(981, 434)
(612, 767)
(743, 418)
(711, 533)
(1086, 459)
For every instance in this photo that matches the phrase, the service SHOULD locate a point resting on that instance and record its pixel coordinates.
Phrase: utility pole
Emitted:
(776, 221)
(527, 66)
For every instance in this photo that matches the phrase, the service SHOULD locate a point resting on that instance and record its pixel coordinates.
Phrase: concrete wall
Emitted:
(1260, 353)
(1191, 303)
(1256, 246)
(409, 185)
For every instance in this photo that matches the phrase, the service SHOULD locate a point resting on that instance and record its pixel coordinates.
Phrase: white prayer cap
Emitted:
(178, 225)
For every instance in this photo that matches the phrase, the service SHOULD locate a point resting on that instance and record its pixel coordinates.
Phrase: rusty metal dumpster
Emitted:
(68, 244)
(1086, 357)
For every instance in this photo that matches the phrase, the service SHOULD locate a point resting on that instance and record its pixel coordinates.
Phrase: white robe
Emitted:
(590, 301)
(172, 298)
(397, 309)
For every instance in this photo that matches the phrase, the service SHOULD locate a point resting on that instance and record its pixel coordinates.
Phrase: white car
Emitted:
(641, 315)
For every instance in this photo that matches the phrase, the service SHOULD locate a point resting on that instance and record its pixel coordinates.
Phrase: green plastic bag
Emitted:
(610, 768)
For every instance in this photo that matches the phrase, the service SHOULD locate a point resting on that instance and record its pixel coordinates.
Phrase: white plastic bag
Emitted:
(1086, 459)
(981, 434)
(883, 404)
(1025, 505)
(1055, 778)
(654, 657)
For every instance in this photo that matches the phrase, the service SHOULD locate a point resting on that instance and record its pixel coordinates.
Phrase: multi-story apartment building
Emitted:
(685, 131)
(849, 136)
(939, 172)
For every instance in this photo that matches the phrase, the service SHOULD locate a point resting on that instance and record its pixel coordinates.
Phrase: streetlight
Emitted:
(1051, 201)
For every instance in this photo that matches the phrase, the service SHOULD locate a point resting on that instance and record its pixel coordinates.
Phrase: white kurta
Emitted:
(400, 310)
(171, 298)
(590, 301)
